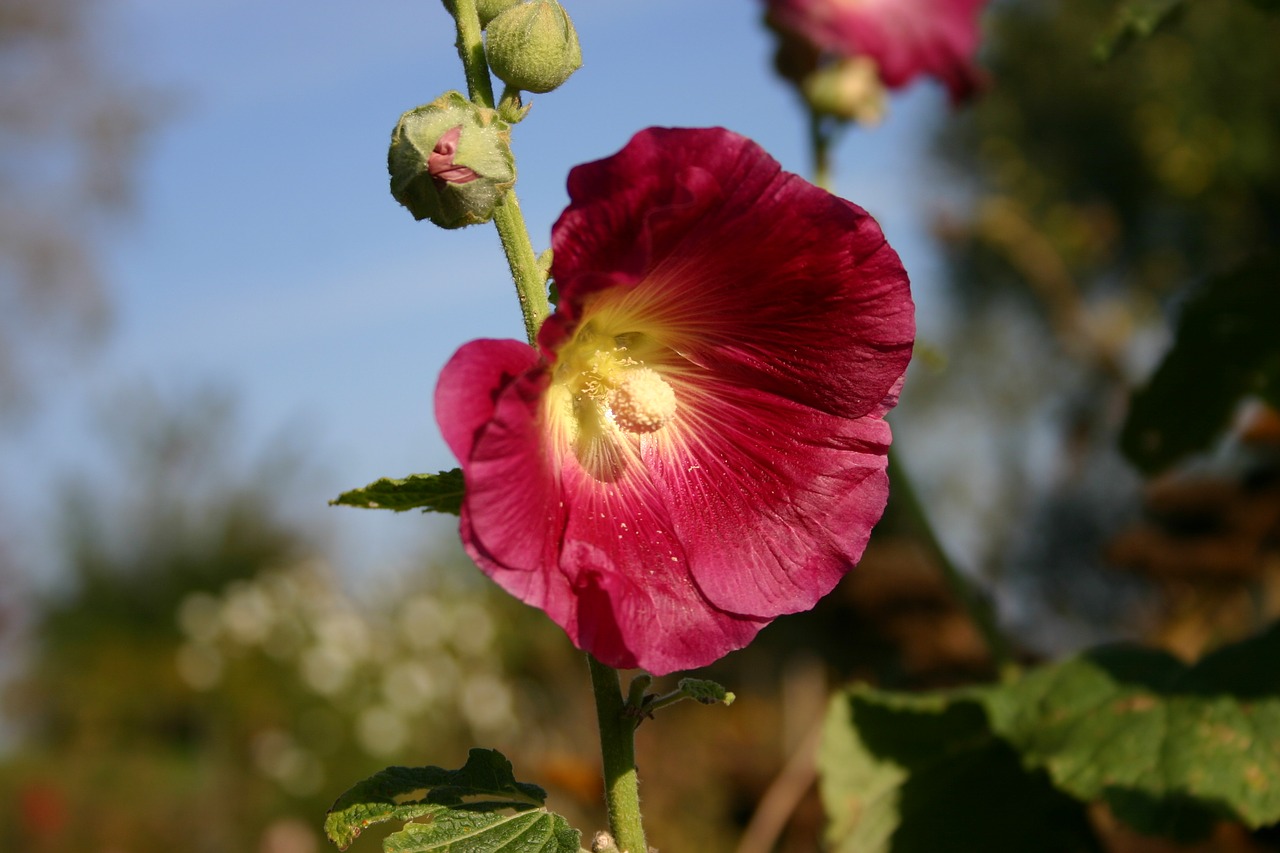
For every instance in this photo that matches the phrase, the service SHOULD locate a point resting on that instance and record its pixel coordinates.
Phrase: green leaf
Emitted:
(1226, 347)
(921, 774)
(480, 807)
(460, 831)
(700, 690)
(441, 492)
(1134, 20)
(1170, 748)
(705, 692)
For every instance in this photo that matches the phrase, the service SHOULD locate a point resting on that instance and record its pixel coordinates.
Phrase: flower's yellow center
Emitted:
(605, 385)
(642, 402)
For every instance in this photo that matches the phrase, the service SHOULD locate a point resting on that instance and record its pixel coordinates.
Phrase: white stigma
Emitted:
(642, 402)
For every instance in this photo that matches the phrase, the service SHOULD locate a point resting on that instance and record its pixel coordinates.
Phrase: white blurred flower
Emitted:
(325, 670)
(444, 672)
(345, 632)
(487, 704)
(473, 635)
(247, 614)
(381, 731)
(409, 686)
(198, 617)
(423, 623)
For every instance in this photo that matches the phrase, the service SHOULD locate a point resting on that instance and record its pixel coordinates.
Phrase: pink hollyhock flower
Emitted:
(697, 445)
(905, 38)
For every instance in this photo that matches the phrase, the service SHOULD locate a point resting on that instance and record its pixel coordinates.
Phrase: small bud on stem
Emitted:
(451, 162)
(533, 46)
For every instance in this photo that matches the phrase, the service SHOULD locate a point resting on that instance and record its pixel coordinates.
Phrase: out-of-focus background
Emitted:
(214, 318)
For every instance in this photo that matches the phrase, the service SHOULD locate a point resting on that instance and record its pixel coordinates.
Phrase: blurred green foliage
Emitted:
(1172, 750)
(1130, 178)
(202, 682)
(1095, 197)
(199, 680)
(1226, 347)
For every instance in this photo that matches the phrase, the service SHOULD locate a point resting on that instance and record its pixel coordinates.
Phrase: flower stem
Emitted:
(618, 747)
(971, 599)
(471, 52)
(820, 150)
(531, 284)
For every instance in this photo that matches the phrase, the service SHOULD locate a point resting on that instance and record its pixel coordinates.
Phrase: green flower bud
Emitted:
(533, 46)
(849, 89)
(450, 161)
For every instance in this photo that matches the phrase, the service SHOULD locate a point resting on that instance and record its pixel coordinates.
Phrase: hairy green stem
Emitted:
(618, 748)
(820, 149)
(471, 52)
(531, 284)
(971, 599)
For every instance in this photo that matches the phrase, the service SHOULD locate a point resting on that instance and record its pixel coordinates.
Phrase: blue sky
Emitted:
(268, 257)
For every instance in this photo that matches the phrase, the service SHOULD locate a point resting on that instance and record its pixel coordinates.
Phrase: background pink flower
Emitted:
(697, 445)
(905, 38)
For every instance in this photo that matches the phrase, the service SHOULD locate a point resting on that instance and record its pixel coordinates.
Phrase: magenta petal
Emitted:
(467, 389)
(512, 514)
(774, 502)
(601, 559)
(637, 605)
(830, 324)
(906, 38)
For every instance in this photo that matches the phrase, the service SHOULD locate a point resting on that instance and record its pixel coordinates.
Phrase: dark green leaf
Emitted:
(922, 774)
(1135, 19)
(470, 797)
(706, 692)
(461, 831)
(429, 492)
(1171, 748)
(1226, 347)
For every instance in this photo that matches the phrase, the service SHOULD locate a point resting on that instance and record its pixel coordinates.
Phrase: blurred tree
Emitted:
(1127, 178)
(200, 680)
(1097, 193)
(70, 129)
(111, 745)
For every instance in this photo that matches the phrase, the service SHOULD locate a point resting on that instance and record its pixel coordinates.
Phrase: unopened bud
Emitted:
(533, 46)
(849, 89)
(603, 843)
(450, 161)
